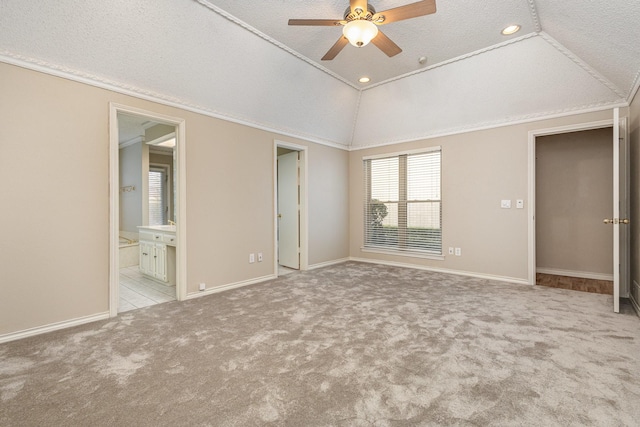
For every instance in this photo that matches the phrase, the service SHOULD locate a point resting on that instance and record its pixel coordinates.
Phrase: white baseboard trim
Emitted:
(230, 286)
(445, 270)
(327, 263)
(636, 304)
(12, 336)
(580, 274)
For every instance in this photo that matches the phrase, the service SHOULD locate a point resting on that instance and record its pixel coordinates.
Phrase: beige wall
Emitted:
(634, 131)
(574, 182)
(54, 256)
(157, 131)
(478, 170)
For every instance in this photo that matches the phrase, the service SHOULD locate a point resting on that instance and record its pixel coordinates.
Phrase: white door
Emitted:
(620, 218)
(288, 211)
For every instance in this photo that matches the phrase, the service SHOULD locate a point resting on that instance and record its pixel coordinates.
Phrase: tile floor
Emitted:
(137, 290)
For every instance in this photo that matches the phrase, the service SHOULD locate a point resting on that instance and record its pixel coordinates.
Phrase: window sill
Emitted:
(411, 254)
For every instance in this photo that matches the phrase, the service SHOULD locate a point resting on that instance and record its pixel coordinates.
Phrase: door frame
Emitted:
(304, 200)
(114, 200)
(533, 134)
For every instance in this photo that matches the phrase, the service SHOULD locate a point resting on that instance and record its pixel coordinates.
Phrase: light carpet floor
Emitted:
(348, 345)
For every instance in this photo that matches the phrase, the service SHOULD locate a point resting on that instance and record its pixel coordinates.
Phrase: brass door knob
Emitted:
(616, 221)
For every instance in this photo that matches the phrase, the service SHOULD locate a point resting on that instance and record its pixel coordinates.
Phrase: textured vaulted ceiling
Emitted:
(239, 60)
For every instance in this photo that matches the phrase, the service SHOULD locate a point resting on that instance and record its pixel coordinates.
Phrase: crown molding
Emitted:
(132, 141)
(355, 119)
(453, 60)
(634, 88)
(579, 62)
(528, 118)
(534, 15)
(274, 42)
(71, 74)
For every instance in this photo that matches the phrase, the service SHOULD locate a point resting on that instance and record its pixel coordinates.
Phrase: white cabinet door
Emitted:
(146, 257)
(160, 254)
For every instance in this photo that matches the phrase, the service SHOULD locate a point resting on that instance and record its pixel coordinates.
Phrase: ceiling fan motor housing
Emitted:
(366, 15)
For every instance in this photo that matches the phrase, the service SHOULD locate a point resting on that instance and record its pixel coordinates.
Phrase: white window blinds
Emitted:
(157, 197)
(403, 207)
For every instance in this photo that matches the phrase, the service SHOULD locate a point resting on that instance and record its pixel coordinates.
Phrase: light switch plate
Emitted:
(505, 204)
(519, 204)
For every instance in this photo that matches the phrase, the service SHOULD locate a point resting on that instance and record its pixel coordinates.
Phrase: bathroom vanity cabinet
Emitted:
(158, 252)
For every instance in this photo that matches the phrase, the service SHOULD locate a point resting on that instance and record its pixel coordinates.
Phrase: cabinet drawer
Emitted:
(157, 237)
(169, 239)
(146, 236)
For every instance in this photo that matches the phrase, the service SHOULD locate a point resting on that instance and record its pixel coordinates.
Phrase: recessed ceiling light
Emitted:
(364, 79)
(511, 29)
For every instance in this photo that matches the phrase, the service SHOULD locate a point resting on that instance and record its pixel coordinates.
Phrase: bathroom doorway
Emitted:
(146, 177)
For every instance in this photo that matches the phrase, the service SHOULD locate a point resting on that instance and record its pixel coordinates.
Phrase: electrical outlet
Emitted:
(252, 258)
(458, 251)
(203, 286)
(450, 251)
(259, 256)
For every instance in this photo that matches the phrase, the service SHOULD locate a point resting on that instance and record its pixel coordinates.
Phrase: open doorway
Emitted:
(290, 205)
(615, 222)
(145, 264)
(574, 193)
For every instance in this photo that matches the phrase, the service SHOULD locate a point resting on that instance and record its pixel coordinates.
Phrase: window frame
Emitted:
(166, 197)
(403, 205)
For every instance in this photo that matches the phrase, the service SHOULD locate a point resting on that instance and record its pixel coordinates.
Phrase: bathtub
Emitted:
(129, 252)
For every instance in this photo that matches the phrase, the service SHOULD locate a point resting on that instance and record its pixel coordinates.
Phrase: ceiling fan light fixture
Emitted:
(360, 32)
(511, 29)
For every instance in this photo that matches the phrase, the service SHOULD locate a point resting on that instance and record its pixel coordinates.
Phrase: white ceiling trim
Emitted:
(453, 60)
(132, 141)
(274, 42)
(96, 81)
(635, 88)
(355, 119)
(130, 90)
(529, 118)
(595, 74)
(534, 15)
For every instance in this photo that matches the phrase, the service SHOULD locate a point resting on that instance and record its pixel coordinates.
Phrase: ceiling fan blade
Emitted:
(420, 8)
(386, 45)
(315, 22)
(336, 48)
(358, 4)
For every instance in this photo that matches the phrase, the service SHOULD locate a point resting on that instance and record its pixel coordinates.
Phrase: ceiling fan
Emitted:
(361, 21)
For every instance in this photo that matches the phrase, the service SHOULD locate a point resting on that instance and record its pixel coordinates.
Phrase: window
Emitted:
(403, 206)
(158, 208)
